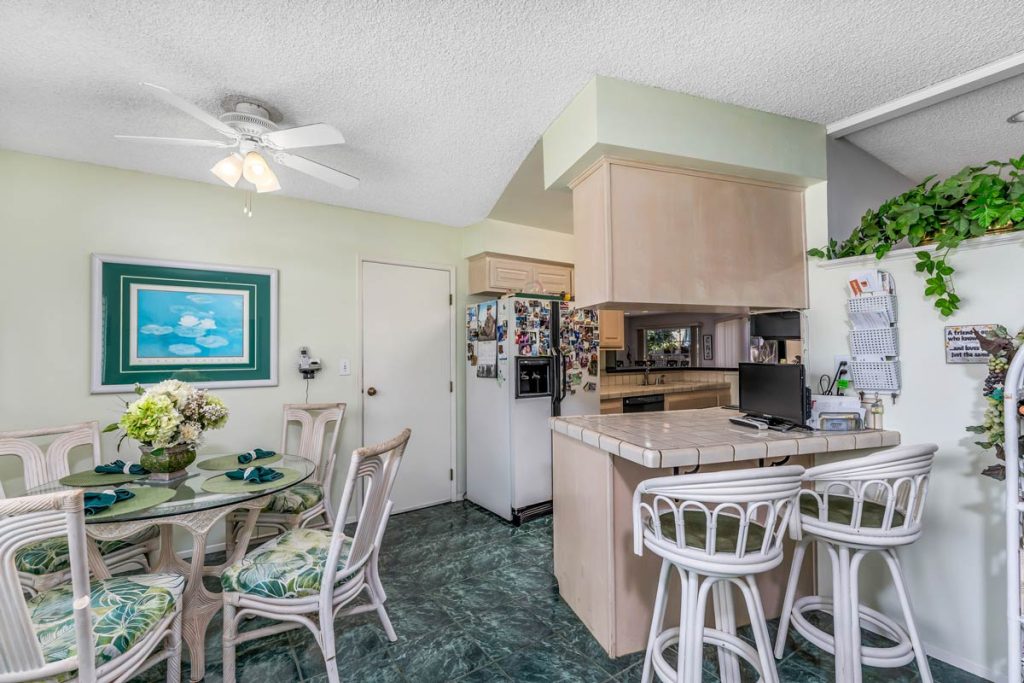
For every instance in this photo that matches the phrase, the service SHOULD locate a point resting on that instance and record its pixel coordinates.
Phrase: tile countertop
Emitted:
(683, 438)
(623, 390)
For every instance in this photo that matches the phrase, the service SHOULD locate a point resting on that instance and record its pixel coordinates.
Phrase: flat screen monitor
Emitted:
(775, 392)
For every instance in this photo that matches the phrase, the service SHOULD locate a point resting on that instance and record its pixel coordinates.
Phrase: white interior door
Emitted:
(407, 375)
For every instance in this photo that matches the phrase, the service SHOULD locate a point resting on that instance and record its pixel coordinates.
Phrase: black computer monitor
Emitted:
(774, 392)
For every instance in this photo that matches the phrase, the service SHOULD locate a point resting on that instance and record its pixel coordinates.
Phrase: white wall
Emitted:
(955, 570)
(857, 182)
(54, 214)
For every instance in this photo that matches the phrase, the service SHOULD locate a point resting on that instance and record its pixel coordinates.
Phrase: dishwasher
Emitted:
(643, 404)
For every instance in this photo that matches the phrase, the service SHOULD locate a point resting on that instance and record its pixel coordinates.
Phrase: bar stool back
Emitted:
(717, 530)
(860, 506)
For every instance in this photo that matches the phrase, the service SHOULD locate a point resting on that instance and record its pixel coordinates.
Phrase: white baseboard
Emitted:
(965, 664)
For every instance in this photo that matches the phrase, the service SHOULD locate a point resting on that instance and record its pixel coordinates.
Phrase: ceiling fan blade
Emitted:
(318, 171)
(313, 135)
(180, 142)
(192, 110)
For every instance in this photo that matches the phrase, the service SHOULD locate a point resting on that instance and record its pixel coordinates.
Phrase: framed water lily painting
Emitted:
(209, 325)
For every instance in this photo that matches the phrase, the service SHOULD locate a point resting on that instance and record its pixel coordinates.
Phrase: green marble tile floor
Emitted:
(473, 600)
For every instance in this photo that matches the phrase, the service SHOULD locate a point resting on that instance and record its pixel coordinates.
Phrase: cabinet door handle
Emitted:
(371, 391)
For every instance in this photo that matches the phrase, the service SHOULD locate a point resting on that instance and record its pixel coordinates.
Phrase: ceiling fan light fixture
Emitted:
(1016, 118)
(267, 182)
(255, 168)
(229, 169)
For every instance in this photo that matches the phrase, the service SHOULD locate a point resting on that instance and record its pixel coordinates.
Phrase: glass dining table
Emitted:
(198, 511)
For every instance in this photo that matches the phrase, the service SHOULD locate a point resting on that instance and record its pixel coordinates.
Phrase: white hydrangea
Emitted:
(177, 390)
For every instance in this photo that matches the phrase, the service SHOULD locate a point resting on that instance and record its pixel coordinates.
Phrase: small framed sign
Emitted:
(962, 345)
(708, 347)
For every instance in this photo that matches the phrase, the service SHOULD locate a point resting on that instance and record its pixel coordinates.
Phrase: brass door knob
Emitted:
(371, 392)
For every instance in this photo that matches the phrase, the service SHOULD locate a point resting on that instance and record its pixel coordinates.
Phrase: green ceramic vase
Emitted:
(171, 461)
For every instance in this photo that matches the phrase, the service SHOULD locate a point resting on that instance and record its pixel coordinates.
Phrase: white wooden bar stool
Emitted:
(717, 530)
(860, 506)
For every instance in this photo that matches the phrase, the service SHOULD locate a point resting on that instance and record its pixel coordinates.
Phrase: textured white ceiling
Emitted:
(942, 139)
(441, 101)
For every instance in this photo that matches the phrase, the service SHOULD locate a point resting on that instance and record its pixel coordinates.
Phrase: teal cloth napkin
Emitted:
(254, 454)
(119, 467)
(255, 475)
(98, 501)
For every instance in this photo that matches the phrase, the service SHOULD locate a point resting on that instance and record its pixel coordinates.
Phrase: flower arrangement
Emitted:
(1001, 348)
(171, 414)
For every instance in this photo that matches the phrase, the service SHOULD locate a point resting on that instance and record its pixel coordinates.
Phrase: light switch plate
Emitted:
(343, 367)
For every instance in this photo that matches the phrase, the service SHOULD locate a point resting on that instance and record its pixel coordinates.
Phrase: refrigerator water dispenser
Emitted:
(534, 376)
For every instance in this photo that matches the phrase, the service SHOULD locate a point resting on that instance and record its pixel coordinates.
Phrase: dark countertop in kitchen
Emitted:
(622, 370)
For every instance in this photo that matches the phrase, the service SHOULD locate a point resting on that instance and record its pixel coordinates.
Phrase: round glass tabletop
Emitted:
(189, 495)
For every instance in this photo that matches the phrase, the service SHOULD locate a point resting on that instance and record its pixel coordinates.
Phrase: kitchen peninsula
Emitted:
(598, 462)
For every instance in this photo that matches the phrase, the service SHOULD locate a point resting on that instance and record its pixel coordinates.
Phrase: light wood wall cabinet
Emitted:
(691, 400)
(611, 406)
(654, 235)
(491, 273)
(611, 329)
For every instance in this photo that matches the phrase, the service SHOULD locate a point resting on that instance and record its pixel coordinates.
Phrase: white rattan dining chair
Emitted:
(47, 563)
(717, 530)
(125, 624)
(309, 503)
(861, 506)
(308, 577)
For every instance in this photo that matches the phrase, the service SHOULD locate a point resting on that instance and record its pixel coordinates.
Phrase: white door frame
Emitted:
(452, 405)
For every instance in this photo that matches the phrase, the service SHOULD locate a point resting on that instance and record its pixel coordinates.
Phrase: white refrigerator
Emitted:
(528, 357)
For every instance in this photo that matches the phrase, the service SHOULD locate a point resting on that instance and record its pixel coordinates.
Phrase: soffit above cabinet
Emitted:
(610, 117)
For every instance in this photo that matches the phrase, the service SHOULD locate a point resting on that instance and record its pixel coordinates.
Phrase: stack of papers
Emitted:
(869, 319)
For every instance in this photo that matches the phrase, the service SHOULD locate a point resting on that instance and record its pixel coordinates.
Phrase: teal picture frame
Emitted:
(210, 325)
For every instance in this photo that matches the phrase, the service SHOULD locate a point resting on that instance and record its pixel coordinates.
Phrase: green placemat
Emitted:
(145, 497)
(94, 479)
(221, 484)
(223, 463)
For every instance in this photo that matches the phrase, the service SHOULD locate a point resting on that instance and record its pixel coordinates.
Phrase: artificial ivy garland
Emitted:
(977, 200)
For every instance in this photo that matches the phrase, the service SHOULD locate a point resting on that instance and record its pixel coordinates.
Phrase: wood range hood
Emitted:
(652, 236)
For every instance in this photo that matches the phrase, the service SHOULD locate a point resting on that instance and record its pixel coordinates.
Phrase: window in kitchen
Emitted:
(670, 346)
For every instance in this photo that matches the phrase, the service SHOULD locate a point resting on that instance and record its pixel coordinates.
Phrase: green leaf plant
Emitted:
(977, 200)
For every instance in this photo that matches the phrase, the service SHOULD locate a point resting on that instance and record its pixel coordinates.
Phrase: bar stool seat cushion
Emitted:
(124, 610)
(695, 526)
(840, 511)
(295, 499)
(289, 566)
(51, 556)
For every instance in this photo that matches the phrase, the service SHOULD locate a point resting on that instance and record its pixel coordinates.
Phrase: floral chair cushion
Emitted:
(295, 499)
(289, 566)
(51, 556)
(124, 609)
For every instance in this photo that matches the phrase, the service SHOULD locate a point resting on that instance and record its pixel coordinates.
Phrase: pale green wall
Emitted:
(54, 214)
(571, 135)
(615, 117)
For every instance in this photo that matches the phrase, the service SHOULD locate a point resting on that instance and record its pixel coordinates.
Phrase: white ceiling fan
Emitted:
(251, 127)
